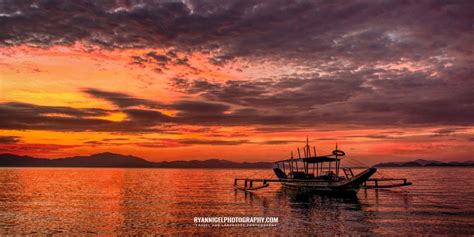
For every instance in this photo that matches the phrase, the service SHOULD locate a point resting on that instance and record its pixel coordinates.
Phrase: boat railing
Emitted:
(348, 172)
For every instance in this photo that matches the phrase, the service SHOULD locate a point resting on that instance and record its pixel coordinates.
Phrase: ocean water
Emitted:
(166, 201)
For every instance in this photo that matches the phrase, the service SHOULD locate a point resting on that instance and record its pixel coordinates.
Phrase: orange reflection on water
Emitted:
(165, 201)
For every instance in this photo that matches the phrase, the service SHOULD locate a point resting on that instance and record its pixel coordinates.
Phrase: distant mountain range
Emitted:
(424, 163)
(108, 159)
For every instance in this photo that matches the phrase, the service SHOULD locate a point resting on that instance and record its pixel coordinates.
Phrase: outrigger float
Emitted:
(320, 174)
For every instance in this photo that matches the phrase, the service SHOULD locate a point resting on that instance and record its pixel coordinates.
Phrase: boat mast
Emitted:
(307, 152)
(337, 166)
(314, 149)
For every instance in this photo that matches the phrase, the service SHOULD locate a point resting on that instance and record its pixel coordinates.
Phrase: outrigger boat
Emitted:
(319, 173)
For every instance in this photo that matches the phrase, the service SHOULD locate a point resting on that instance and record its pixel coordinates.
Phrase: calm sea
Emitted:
(165, 201)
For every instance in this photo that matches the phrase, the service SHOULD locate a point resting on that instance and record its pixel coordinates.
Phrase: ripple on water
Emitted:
(141, 201)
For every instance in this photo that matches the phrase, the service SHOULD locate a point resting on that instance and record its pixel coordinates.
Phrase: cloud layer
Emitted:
(319, 30)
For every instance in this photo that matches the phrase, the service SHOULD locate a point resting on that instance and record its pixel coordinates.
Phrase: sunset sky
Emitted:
(237, 80)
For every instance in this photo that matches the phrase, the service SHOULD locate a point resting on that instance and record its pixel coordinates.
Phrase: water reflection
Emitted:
(165, 201)
(9, 204)
(318, 212)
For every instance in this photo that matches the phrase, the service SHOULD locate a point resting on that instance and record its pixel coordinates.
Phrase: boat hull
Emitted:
(351, 186)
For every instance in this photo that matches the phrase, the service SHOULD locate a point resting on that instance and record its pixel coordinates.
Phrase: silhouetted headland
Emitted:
(108, 159)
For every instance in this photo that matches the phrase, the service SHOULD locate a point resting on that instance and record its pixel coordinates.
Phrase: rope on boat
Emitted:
(379, 173)
(269, 176)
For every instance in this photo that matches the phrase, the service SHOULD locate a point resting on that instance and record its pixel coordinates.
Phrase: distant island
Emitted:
(111, 160)
(425, 163)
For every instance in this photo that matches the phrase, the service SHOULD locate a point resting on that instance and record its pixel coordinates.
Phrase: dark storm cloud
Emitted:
(372, 136)
(296, 93)
(364, 97)
(115, 139)
(212, 142)
(9, 139)
(160, 61)
(125, 102)
(24, 108)
(28, 116)
(141, 115)
(232, 142)
(278, 142)
(16, 115)
(354, 106)
(58, 118)
(121, 100)
(447, 131)
(317, 30)
(199, 107)
(157, 57)
(188, 112)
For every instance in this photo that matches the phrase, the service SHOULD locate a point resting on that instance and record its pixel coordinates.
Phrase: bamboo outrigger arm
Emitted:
(376, 183)
(249, 183)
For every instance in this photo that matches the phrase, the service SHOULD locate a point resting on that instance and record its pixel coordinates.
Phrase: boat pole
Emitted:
(290, 164)
(296, 162)
(317, 169)
(308, 150)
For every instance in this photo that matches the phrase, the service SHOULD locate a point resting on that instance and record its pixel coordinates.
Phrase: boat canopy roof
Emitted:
(315, 159)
